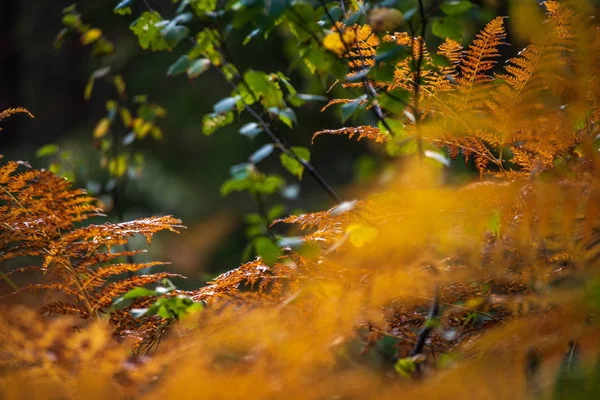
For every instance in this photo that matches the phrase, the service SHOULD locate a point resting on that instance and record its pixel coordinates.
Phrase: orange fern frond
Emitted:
(481, 55)
(114, 290)
(11, 111)
(267, 280)
(362, 132)
(40, 212)
(340, 101)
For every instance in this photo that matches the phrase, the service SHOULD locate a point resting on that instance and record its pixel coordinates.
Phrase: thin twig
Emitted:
(434, 312)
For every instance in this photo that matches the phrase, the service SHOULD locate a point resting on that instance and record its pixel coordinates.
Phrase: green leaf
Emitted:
(225, 105)
(148, 33)
(276, 211)
(47, 150)
(310, 97)
(268, 250)
(212, 122)
(198, 67)
(261, 153)
(179, 66)
(251, 130)
(174, 34)
(123, 4)
(286, 82)
(205, 47)
(240, 171)
(447, 27)
(334, 12)
(138, 292)
(234, 185)
(269, 185)
(265, 88)
(348, 109)
(406, 367)
(286, 115)
(454, 7)
(291, 164)
(495, 222)
(252, 35)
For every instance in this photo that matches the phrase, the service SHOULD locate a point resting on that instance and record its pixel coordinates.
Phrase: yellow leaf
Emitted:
(141, 128)
(126, 117)
(334, 42)
(101, 128)
(88, 88)
(119, 84)
(474, 302)
(361, 234)
(91, 36)
(118, 166)
(156, 132)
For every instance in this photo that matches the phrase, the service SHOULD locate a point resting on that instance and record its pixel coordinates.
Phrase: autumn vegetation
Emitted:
(432, 284)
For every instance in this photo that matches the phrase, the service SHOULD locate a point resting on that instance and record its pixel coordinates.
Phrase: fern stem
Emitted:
(82, 290)
(71, 270)
(12, 197)
(434, 312)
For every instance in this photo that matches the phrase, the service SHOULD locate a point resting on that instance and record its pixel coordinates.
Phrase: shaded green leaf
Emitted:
(179, 66)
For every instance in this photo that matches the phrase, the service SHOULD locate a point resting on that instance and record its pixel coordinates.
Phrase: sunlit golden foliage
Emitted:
(40, 220)
(423, 290)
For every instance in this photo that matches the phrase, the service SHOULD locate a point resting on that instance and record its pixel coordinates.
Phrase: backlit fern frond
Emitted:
(481, 55)
(40, 216)
(358, 49)
(361, 132)
(326, 226)
(11, 111)
(340, 101)
(268, 281)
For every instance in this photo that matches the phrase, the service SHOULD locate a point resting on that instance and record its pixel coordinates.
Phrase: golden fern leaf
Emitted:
(64, 308)
(452, 50)
(97, 278)
(114, 290)
(268, 281)
(338, 101)
(39, 215)
(11, 111)
(362, 132)
(479, 58)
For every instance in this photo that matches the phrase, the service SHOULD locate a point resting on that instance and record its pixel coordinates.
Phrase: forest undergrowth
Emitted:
(423, 288)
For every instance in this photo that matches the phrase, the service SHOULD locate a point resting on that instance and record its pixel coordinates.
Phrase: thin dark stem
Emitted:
(277, 137)
(417, 81)
(434, 312)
